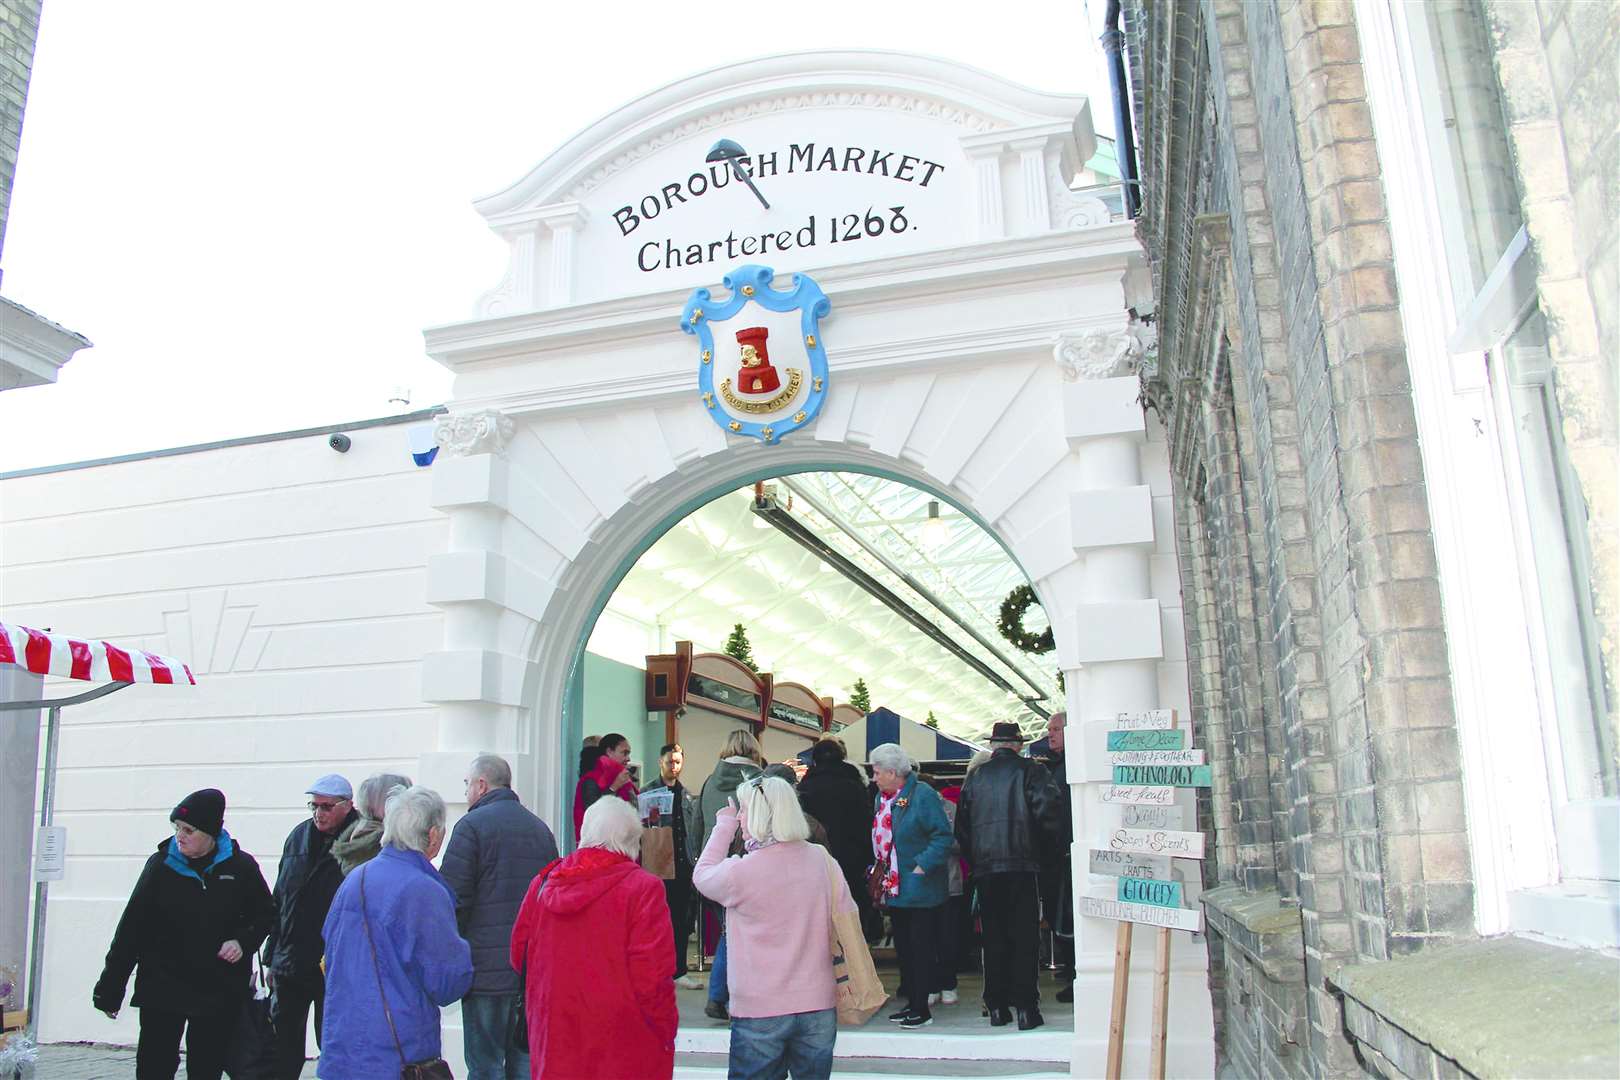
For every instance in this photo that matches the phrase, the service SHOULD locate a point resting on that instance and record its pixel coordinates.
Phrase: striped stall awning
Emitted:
(94, 661)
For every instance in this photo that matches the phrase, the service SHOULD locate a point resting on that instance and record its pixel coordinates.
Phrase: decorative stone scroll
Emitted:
(1105, 354)
(484, 432)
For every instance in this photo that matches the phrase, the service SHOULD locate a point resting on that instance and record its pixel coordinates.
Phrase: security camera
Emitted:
(339, 442)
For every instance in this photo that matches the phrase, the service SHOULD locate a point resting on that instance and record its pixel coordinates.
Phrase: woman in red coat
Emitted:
(594, 940)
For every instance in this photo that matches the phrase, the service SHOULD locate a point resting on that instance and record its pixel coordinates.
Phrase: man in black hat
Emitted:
(1006, 821)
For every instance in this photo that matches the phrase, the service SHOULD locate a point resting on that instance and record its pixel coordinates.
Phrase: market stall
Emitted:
(44, 653)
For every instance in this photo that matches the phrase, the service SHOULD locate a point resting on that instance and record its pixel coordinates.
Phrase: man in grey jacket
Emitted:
(495, 852)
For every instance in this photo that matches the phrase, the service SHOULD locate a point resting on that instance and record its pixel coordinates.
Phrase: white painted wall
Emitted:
(290, 577)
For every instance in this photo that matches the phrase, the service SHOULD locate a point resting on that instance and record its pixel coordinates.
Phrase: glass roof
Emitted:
(808, 622)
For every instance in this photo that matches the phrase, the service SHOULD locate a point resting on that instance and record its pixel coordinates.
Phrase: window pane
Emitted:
(1556, 520)
(1484, 185)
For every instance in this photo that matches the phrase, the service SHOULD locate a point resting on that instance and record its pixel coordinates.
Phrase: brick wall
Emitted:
(19, 26)
(1314, 620)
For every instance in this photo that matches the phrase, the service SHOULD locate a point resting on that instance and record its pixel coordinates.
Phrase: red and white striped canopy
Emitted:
(95, 661)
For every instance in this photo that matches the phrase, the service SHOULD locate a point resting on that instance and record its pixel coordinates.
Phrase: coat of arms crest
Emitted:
(762, 370)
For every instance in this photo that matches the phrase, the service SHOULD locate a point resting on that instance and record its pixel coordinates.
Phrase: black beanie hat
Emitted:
(203, 810)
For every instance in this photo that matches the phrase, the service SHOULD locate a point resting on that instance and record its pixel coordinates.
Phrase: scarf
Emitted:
(883, 843)
(602, 774)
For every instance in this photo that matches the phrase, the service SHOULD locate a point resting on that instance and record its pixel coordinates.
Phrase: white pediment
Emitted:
(860, 154)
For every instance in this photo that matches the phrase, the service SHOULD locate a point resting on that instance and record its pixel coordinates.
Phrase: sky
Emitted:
(253, 210)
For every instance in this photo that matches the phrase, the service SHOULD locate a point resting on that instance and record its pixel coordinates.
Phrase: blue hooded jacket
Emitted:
(424, 966)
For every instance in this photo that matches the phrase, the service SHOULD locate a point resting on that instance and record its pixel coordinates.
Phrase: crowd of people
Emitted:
(569, 966)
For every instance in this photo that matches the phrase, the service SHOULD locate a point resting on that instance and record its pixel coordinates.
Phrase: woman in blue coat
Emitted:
(391, 934)
(911, 833)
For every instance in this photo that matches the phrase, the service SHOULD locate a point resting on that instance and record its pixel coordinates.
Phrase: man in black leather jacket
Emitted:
(1007, 823)
(306, 881)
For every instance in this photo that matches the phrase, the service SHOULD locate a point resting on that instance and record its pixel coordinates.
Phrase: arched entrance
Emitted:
(986, 357)
(725, 565)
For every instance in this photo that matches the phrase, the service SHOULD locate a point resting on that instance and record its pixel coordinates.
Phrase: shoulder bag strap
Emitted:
(365, 921)
(833, 873)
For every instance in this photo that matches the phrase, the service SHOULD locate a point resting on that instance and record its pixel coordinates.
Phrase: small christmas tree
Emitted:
(738, 649)
(861, 697)
(931, 721)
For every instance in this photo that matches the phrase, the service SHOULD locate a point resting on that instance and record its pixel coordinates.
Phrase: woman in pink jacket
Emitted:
(779, 898)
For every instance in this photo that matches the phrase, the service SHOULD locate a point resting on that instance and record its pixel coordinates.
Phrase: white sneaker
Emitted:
(687, 982)
(948, 998)
(933, 999)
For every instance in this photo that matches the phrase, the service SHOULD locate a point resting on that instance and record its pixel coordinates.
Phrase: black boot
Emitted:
(1029, 1019)
(1066, 994)
(1000, 1016)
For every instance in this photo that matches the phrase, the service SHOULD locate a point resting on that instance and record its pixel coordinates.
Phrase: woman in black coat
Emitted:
(199, 911)
(834, 792)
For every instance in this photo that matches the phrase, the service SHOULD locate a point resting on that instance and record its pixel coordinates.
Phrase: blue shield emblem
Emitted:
(762, 370)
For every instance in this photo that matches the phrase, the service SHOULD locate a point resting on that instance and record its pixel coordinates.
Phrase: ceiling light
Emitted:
(934, 530)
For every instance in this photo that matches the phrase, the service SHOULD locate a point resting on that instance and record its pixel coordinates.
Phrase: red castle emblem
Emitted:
(755, 374)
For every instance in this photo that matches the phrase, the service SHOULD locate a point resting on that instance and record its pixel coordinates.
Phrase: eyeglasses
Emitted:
(326, 807)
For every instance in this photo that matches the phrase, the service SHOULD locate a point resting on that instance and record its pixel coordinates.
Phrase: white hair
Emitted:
(890, 756)
(612, 824)
(411, 814)
(974, 763)
(372, 796)
(771, 811)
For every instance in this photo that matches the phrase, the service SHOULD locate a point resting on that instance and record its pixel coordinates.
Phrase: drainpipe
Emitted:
(1113, 42)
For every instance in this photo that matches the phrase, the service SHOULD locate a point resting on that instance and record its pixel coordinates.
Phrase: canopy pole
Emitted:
(47, 810)
(47, 806)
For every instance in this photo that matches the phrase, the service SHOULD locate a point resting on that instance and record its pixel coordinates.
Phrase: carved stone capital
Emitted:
(484, 432)
(1092, 354)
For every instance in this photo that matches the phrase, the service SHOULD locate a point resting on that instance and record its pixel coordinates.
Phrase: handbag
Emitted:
(875, 876)
(428, 1069)
(252, 1051)
(658, 851)
(858, 991)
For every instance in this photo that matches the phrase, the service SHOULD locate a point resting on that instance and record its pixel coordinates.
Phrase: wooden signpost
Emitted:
(1149, 760)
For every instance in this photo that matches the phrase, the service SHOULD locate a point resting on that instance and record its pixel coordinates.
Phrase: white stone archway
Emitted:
(988, 361)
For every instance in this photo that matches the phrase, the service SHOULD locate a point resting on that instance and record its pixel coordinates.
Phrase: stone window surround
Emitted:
(1501, 783)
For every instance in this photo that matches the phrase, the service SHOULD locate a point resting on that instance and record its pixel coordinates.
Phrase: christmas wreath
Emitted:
(1012, 623)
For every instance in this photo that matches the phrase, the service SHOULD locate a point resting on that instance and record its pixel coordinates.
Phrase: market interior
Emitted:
(827, 601)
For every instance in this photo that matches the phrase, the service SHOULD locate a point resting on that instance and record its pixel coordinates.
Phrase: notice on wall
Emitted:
(1175, 918)
(1157, 757)
(50, 853)
(1148, 720)
(1131, 864)
(1147, 891)
(1181, 845)
(1168, 739)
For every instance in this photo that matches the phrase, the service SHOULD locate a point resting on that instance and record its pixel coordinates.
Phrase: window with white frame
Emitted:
(1456, 183)
(1487, 246)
